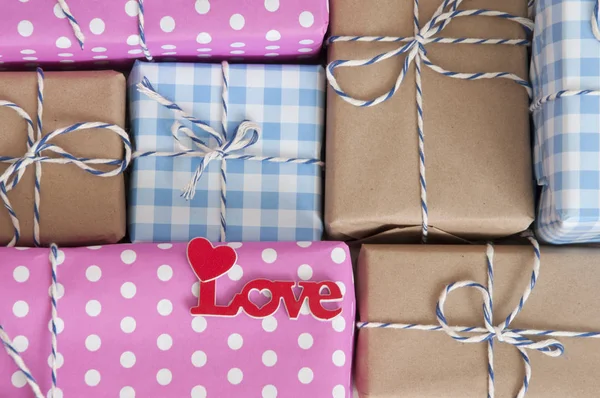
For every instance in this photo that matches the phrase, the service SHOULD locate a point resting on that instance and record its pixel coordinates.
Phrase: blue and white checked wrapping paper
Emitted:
(566, 56)
(265, 201)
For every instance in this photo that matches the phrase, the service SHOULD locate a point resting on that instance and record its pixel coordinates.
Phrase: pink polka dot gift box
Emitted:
(177, 320)
(100, 31)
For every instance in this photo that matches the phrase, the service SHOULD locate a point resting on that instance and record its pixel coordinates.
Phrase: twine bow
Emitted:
(414, 48)
(246, 135)
(502, 332)
(38, 149)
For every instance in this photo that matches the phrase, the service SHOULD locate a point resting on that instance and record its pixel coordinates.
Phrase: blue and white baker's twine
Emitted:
(246, 135)
(14, 353)
(39, 149)
(502, 332)
(414, 48)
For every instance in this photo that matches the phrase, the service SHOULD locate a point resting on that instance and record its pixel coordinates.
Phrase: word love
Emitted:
(209, 263)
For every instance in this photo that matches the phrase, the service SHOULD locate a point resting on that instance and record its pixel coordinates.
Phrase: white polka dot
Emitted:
(338, 358)
(199, 359)
(165, 272)
(30, 58)
(235, 341)
(66, 61)
(167, 24)
(272, 5)
(237, 52)
(164, 377)
(27, 52)
(128, 324)
(339, 391)
(128, 290)
(94, 247)
(199, 324)
(304, 244)
(234, 245)
(339, 323)
(93, 342)
(134, 51)
(57, 393)
(305, 50)
(342, 287)
(60, 257)
(269, 391)
(92, 377)
(235, 376)
(269, 256)
(237, 45)
(305, 272)
(204, 50)
(198, 392)
(21, 343)
(131, 8)
(20, 248)
(127, 392)
(93, 273)
(21, 274)
(196, 289)
(235, 273)
(269, 358)
(93, 308)
(202, 6)
(269, 324)
(99, 50)
(203, 38)
(164, 342)
(306, 42)
(204, 55)
(100, 56)
(60, 360)
(271, 55)
(305, 375)
(168, 47)
(65, 55)
(128, 256)
(273, 35)
(305, 309)
(306, 19)
(58, 12)
(164, 307)
(338, 255)
(305, 341)
(134, 40)
(127, 359)
(20, 309)
(59, 324)
(97, 26)
(18, 379)
(272, 48)
(237, 21)
(25, 28)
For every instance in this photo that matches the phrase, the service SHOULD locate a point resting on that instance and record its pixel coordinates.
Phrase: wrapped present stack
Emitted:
(191, 190)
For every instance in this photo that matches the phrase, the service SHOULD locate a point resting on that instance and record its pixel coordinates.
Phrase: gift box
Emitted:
(465, 168)
(125, 326)
(60, 133)
(565, 73)
(256, 179)
(101, 32)
(406, 287)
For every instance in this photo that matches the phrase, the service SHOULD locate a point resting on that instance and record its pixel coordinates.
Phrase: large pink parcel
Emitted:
(125, 327)
(41, 32)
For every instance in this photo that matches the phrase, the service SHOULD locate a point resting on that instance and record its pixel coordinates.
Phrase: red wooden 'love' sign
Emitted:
(209, 263)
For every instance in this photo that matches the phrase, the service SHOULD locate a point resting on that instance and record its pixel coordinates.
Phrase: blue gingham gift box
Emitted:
(566, 111)
(265, 201)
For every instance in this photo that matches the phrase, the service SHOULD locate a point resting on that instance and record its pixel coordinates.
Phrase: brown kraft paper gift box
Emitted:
(477, 145)
(76, 207)
(402, 283)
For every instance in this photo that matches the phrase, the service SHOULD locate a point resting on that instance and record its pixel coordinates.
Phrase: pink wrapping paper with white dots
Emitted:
(34, 31)
(143, 320)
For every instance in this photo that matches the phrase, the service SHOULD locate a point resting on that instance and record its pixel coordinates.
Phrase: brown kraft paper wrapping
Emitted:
(402, 283)
(477, 147)
(76, 207)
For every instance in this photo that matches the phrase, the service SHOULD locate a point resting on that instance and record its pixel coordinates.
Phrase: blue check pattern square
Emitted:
(265, 201)
(566, 56)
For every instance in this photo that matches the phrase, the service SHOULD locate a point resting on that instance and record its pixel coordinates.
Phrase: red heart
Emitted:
(209, 262)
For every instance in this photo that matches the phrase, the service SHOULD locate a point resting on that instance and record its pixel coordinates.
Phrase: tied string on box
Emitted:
(503, 333)
(37, 147)
(12, 351)
(414, 49)
(245, 136)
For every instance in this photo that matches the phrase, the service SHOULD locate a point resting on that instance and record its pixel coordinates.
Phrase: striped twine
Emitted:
(142, 33)
(246, 135)
(16, 356)
(73, 22)
(414, 49)
(596, 20)
(37, 145)
(503, 333)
